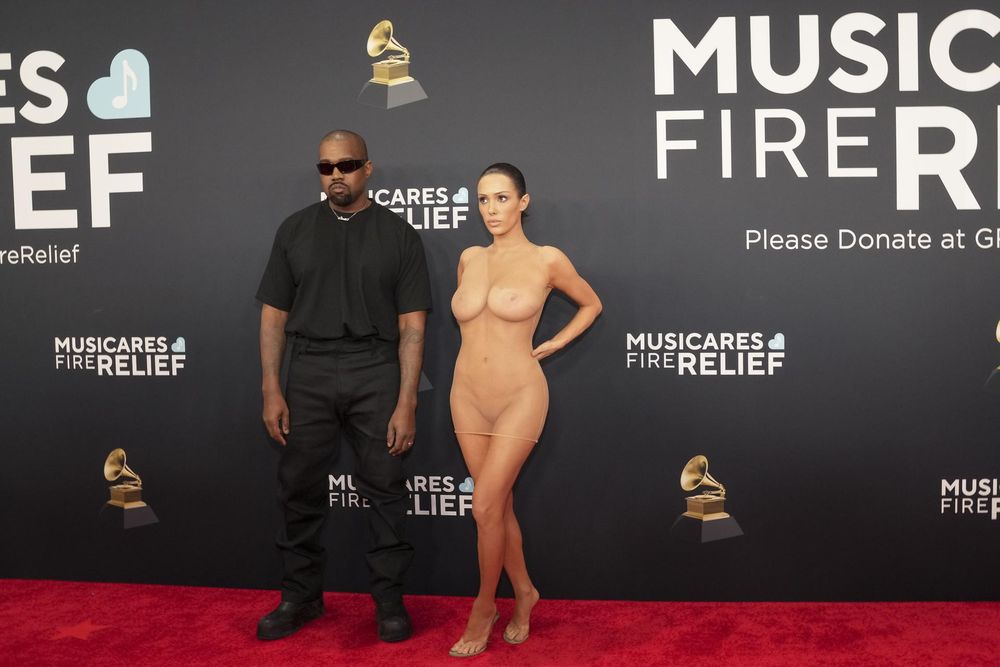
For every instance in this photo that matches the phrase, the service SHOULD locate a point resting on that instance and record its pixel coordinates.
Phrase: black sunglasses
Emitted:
(345, 166)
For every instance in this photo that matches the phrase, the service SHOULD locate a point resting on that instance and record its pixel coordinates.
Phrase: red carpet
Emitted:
(70, 623)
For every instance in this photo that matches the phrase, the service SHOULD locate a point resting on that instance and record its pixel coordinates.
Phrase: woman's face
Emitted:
(499, 203)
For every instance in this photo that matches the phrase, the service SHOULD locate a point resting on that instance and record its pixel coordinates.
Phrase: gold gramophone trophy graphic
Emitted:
(705, 519)
(127, 496)
(391, 84)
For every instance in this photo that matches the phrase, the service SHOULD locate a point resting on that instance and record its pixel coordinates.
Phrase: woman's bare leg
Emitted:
(494, 463)
(525, 593)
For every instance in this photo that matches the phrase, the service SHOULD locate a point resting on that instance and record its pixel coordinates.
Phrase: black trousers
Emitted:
(335, 389)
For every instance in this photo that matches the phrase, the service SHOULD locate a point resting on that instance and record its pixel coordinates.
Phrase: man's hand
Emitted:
(402, 429)
(276, 416)
(272, 348)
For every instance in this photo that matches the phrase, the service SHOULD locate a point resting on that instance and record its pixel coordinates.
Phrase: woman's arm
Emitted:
(563, 277)
(464, 259)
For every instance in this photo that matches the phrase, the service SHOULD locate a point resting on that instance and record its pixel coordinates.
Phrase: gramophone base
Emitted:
(389, 96)
(123, 495)
(132, 515)
(704, 530)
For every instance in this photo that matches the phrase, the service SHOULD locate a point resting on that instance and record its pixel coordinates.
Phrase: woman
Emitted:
(499, 397)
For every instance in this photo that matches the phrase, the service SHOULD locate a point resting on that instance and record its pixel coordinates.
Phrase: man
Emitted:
(347, 285)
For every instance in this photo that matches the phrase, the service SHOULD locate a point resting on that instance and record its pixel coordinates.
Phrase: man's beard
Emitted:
(342, 197)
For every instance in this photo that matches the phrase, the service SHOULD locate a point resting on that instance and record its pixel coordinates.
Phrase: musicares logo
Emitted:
(430, 495)
(134, 356)
(971, 496)
(425, 208)
(725, 353)
(123, 94)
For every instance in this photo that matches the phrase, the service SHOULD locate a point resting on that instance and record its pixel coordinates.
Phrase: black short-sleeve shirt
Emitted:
(350, 279)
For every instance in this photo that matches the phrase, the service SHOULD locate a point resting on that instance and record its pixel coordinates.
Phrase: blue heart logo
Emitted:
(178, 345)
(125, 93)
(461, 197)
(777, 343)
(467, 486)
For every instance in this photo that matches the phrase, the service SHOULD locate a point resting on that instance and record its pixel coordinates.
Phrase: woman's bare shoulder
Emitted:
(552, 254)
(471, 253)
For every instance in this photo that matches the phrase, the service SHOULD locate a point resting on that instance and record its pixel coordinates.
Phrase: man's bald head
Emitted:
(347, 135)
(346, 191)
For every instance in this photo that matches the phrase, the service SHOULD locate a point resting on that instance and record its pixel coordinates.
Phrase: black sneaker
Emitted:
(393, 621)
(287, 618)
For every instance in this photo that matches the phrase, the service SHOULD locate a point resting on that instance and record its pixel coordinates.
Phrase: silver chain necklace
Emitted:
(347, 218)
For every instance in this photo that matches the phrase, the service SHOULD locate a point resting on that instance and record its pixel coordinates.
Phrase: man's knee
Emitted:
(380, 471)
(380, 487)
(301, 483)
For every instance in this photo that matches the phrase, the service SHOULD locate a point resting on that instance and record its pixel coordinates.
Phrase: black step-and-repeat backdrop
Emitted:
(789, 211)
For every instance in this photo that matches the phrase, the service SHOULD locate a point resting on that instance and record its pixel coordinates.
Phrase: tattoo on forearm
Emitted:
(272, 347)
(411, 347)
(409, 336)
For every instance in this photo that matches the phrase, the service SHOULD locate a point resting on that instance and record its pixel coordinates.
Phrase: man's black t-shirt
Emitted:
(350, 279)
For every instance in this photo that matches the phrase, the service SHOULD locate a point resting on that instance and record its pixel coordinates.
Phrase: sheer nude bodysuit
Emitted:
(499, 388)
